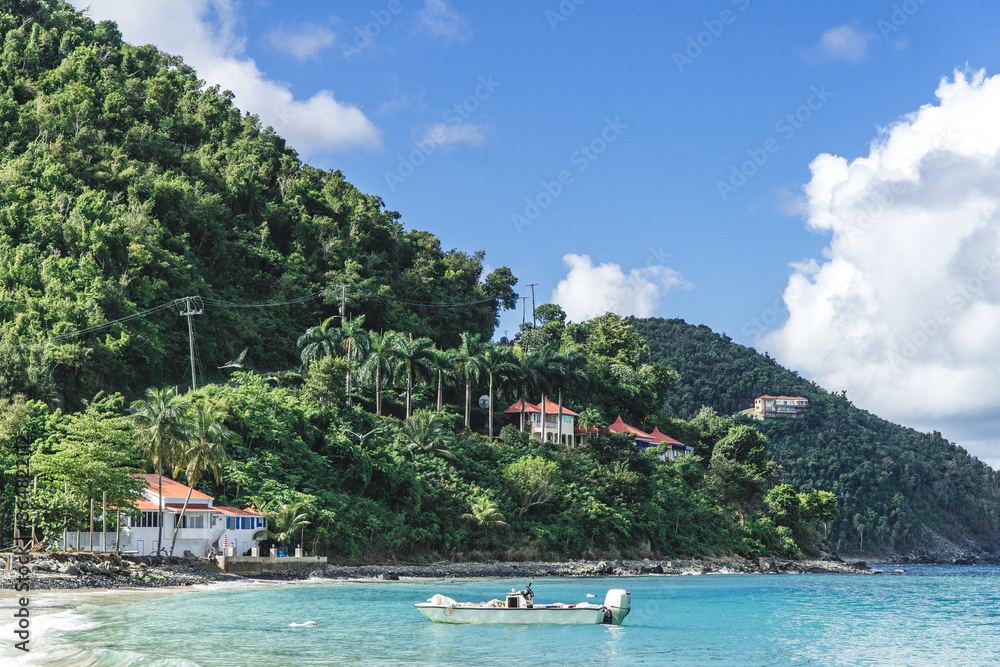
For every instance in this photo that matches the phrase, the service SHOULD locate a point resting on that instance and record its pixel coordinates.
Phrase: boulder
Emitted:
(70, 569)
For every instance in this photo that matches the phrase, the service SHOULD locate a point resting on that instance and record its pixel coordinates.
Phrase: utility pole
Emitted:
(343, 302)
(188, 312)
(524, 301)
(532, 286)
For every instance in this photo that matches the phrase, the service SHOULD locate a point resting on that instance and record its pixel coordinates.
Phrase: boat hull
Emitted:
(517, 616)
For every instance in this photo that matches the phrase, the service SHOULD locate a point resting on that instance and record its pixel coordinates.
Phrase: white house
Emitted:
(202, 529)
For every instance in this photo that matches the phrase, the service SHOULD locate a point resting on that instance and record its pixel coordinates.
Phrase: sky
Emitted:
(816, 180)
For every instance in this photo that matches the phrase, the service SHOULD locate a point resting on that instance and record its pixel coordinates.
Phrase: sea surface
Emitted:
(928, 616)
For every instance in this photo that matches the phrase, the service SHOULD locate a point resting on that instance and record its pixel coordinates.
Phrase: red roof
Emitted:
(659, 438)
(190, 508)
(619, 426)
(172, 489)
(550, 408)
(783, 398)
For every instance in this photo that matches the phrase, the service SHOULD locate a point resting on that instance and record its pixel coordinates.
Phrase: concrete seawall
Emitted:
(254, 565)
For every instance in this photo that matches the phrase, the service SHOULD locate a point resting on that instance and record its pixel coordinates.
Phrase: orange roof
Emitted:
(619, 426)
(172, 489)
(219, 509)
(550, 408)
(190, 508)
(144, 504)
(528, 407)
(659, 438)
(584, 431)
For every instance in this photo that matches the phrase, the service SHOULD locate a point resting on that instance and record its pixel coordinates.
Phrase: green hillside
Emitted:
(892, 481)
(125, 183)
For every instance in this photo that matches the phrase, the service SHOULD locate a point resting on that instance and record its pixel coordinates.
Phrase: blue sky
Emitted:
(650, 159)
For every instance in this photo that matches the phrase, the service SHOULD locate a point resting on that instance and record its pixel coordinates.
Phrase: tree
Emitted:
(380, 362)
(782, 503)
(205, 451)
(612, 337)
(425, 432)
(318, 342)
(497, 363)
(442, 364)
(533, 481)
(469, 366)
(354, 340)
(414, 355)
(160, 430)
(550, 312)
(590, 417)
(485, 513)
(284, 521)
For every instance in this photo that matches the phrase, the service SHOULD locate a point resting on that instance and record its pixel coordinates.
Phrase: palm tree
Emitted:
(533, 372)
(589, 417)
(469, 366)
(354, 340)
(204, 452)
(160, 430)
(442, 364)
(414, 355)
(283, 522)
(497, 362)
(569, 371)
(485, 513)
(318, 342)
(380, 361)
(425, 432)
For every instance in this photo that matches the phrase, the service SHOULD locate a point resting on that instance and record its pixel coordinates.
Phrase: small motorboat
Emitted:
(520, 608)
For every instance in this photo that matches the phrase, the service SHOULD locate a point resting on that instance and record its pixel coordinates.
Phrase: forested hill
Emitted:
(125, 183)
(893, 482)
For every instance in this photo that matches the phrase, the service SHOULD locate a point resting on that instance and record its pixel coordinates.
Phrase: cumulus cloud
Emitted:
(903, 311)
(439, 20)
(588, 291)
(844, 42)
(203, 32)
(452, 135)
(304, 43)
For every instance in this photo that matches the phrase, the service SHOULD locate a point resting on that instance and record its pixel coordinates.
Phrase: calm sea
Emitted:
(928, 616)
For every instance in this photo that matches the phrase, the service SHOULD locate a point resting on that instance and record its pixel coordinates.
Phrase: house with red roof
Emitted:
(205, 526)
(674, 448)
(779, 407)
(546, 422)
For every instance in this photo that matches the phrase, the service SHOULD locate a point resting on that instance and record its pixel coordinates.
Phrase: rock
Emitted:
(899, 571)
(860, 565)
(766, 565)
(70, 569)
(389, 576)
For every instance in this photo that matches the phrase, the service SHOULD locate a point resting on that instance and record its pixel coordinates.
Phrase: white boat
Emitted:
(520, 608)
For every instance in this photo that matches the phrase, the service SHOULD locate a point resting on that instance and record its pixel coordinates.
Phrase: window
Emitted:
(145, 520)
(193, 521)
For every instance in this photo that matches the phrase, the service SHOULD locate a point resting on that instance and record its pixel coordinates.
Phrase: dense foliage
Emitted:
(893, 483)
(125, 183)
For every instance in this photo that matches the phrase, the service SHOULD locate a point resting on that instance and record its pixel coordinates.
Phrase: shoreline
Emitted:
(106, 572)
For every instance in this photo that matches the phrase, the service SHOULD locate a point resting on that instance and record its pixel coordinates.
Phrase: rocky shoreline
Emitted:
(67, 571)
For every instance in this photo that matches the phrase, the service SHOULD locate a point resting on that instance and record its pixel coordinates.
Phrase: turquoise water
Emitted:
(929, 616)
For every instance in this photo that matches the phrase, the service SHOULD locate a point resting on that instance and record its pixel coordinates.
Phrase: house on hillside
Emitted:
(570, 434)
(202, 530)
(779, 407)
(674, 448)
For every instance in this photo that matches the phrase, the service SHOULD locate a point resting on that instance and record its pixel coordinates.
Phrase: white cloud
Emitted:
(904, 310)
(450, 135)
(588, 291)
(203, 32)
(304, 43)
(844, 42)
(438, 19)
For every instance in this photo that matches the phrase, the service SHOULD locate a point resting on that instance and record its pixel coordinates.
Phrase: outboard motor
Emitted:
(617, 604)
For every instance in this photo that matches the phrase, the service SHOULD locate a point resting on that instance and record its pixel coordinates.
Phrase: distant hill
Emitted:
(900, 489)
